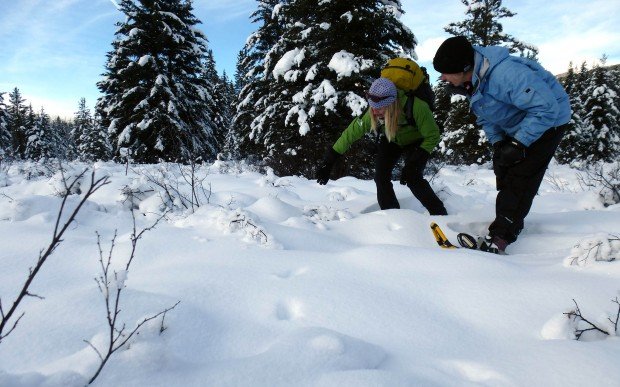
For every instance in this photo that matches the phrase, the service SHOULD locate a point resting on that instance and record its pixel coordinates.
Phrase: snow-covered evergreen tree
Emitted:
(226, 88)
(318, 72)
(601, 120)
(217, 101)
(63, 130)
(572, 146)
(464, 135)
(91, 139)
(482, 27)
(41, 142)
(17, 118)
(442, 102)
(253, 80)
(5, 133)
(154, 102)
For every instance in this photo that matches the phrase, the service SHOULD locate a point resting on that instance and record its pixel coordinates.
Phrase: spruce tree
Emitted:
(318, 73)
(63, 131)
(17, 118)
(482, 27)
(41, 142)
(217, 102)
(253, 80)
(572, 146)
(5, 132)
(154, 102)
(601, 120)
(226, 88)
(465, 134)
(82, 121)
(91, 139)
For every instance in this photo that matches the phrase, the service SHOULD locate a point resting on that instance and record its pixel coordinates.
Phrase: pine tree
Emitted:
(5, 132)
(572, 146)
(154, 97)
(462, 137)
(41, 142)
(17, 117)
(253, 80)
(92, 140)
(63, 131)
(318, 72)
(217, 103)
(482, 27)
(601, 120)
(82, 122)
(227, 90)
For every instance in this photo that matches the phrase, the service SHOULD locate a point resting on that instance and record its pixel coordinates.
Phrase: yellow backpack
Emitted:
(405, 73)
(414, 80)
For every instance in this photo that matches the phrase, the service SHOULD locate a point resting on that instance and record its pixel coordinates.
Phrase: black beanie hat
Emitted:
(455, 55)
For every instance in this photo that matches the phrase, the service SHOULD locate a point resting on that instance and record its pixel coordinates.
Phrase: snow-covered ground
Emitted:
(283, 282)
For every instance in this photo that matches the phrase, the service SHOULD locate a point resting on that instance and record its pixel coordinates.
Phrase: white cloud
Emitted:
(426, 50)
(556, 54)
(55, 107)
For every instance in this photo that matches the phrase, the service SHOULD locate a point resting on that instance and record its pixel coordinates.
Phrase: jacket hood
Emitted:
(485, 60)
(494, 54)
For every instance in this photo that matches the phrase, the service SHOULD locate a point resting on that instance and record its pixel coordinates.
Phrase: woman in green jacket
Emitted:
(387, 115)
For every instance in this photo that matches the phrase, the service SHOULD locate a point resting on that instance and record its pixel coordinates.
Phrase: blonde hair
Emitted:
(392, 120)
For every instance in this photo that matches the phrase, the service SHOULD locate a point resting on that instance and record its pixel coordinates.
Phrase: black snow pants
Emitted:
(415, 161)
(518, 185)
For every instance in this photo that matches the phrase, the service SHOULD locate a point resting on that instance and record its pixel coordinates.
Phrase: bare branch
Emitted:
(577, 316)
(59, 230)
(616, 301)
(117, 333)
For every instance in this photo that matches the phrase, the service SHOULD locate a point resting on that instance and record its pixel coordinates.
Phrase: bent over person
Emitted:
(386, 115)
(523, 110)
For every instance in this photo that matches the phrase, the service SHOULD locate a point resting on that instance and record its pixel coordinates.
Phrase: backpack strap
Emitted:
(407, 68)
(409, 108)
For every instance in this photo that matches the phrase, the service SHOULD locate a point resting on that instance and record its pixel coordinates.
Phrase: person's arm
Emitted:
(527, 91)
(493, 132)
(356, 129)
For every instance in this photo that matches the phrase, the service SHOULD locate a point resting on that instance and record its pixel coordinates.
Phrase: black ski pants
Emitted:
(387, 156)
(518, 185)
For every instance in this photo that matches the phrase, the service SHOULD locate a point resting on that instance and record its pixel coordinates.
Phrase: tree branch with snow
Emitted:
(583, 325)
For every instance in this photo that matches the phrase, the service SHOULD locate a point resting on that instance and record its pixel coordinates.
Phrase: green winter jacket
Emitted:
(426, 132)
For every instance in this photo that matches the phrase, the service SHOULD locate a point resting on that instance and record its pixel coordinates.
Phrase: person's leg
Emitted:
(387, 156)
(520, 184)
(419, 186)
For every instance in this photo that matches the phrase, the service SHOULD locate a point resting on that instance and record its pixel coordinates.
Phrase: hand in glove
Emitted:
(511, 152)
(325, 167)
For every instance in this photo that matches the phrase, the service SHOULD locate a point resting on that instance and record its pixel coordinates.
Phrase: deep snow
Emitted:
(283, 282)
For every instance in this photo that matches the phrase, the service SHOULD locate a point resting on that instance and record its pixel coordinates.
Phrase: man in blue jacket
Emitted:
(523, 110)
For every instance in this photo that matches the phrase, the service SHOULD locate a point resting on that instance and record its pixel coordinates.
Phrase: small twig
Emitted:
(576, 315)
(616, 301)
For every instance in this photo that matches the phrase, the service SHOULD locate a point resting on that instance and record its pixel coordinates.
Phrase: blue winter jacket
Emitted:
(515, 97)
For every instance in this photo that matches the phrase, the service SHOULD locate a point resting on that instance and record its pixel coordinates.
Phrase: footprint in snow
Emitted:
(291, 273)
(289, 310)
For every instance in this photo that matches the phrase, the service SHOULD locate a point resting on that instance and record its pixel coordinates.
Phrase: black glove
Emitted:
(325, 167)
(511, 152)
(416, 161)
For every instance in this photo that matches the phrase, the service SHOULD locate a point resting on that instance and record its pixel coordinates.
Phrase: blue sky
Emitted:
(54, 50)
